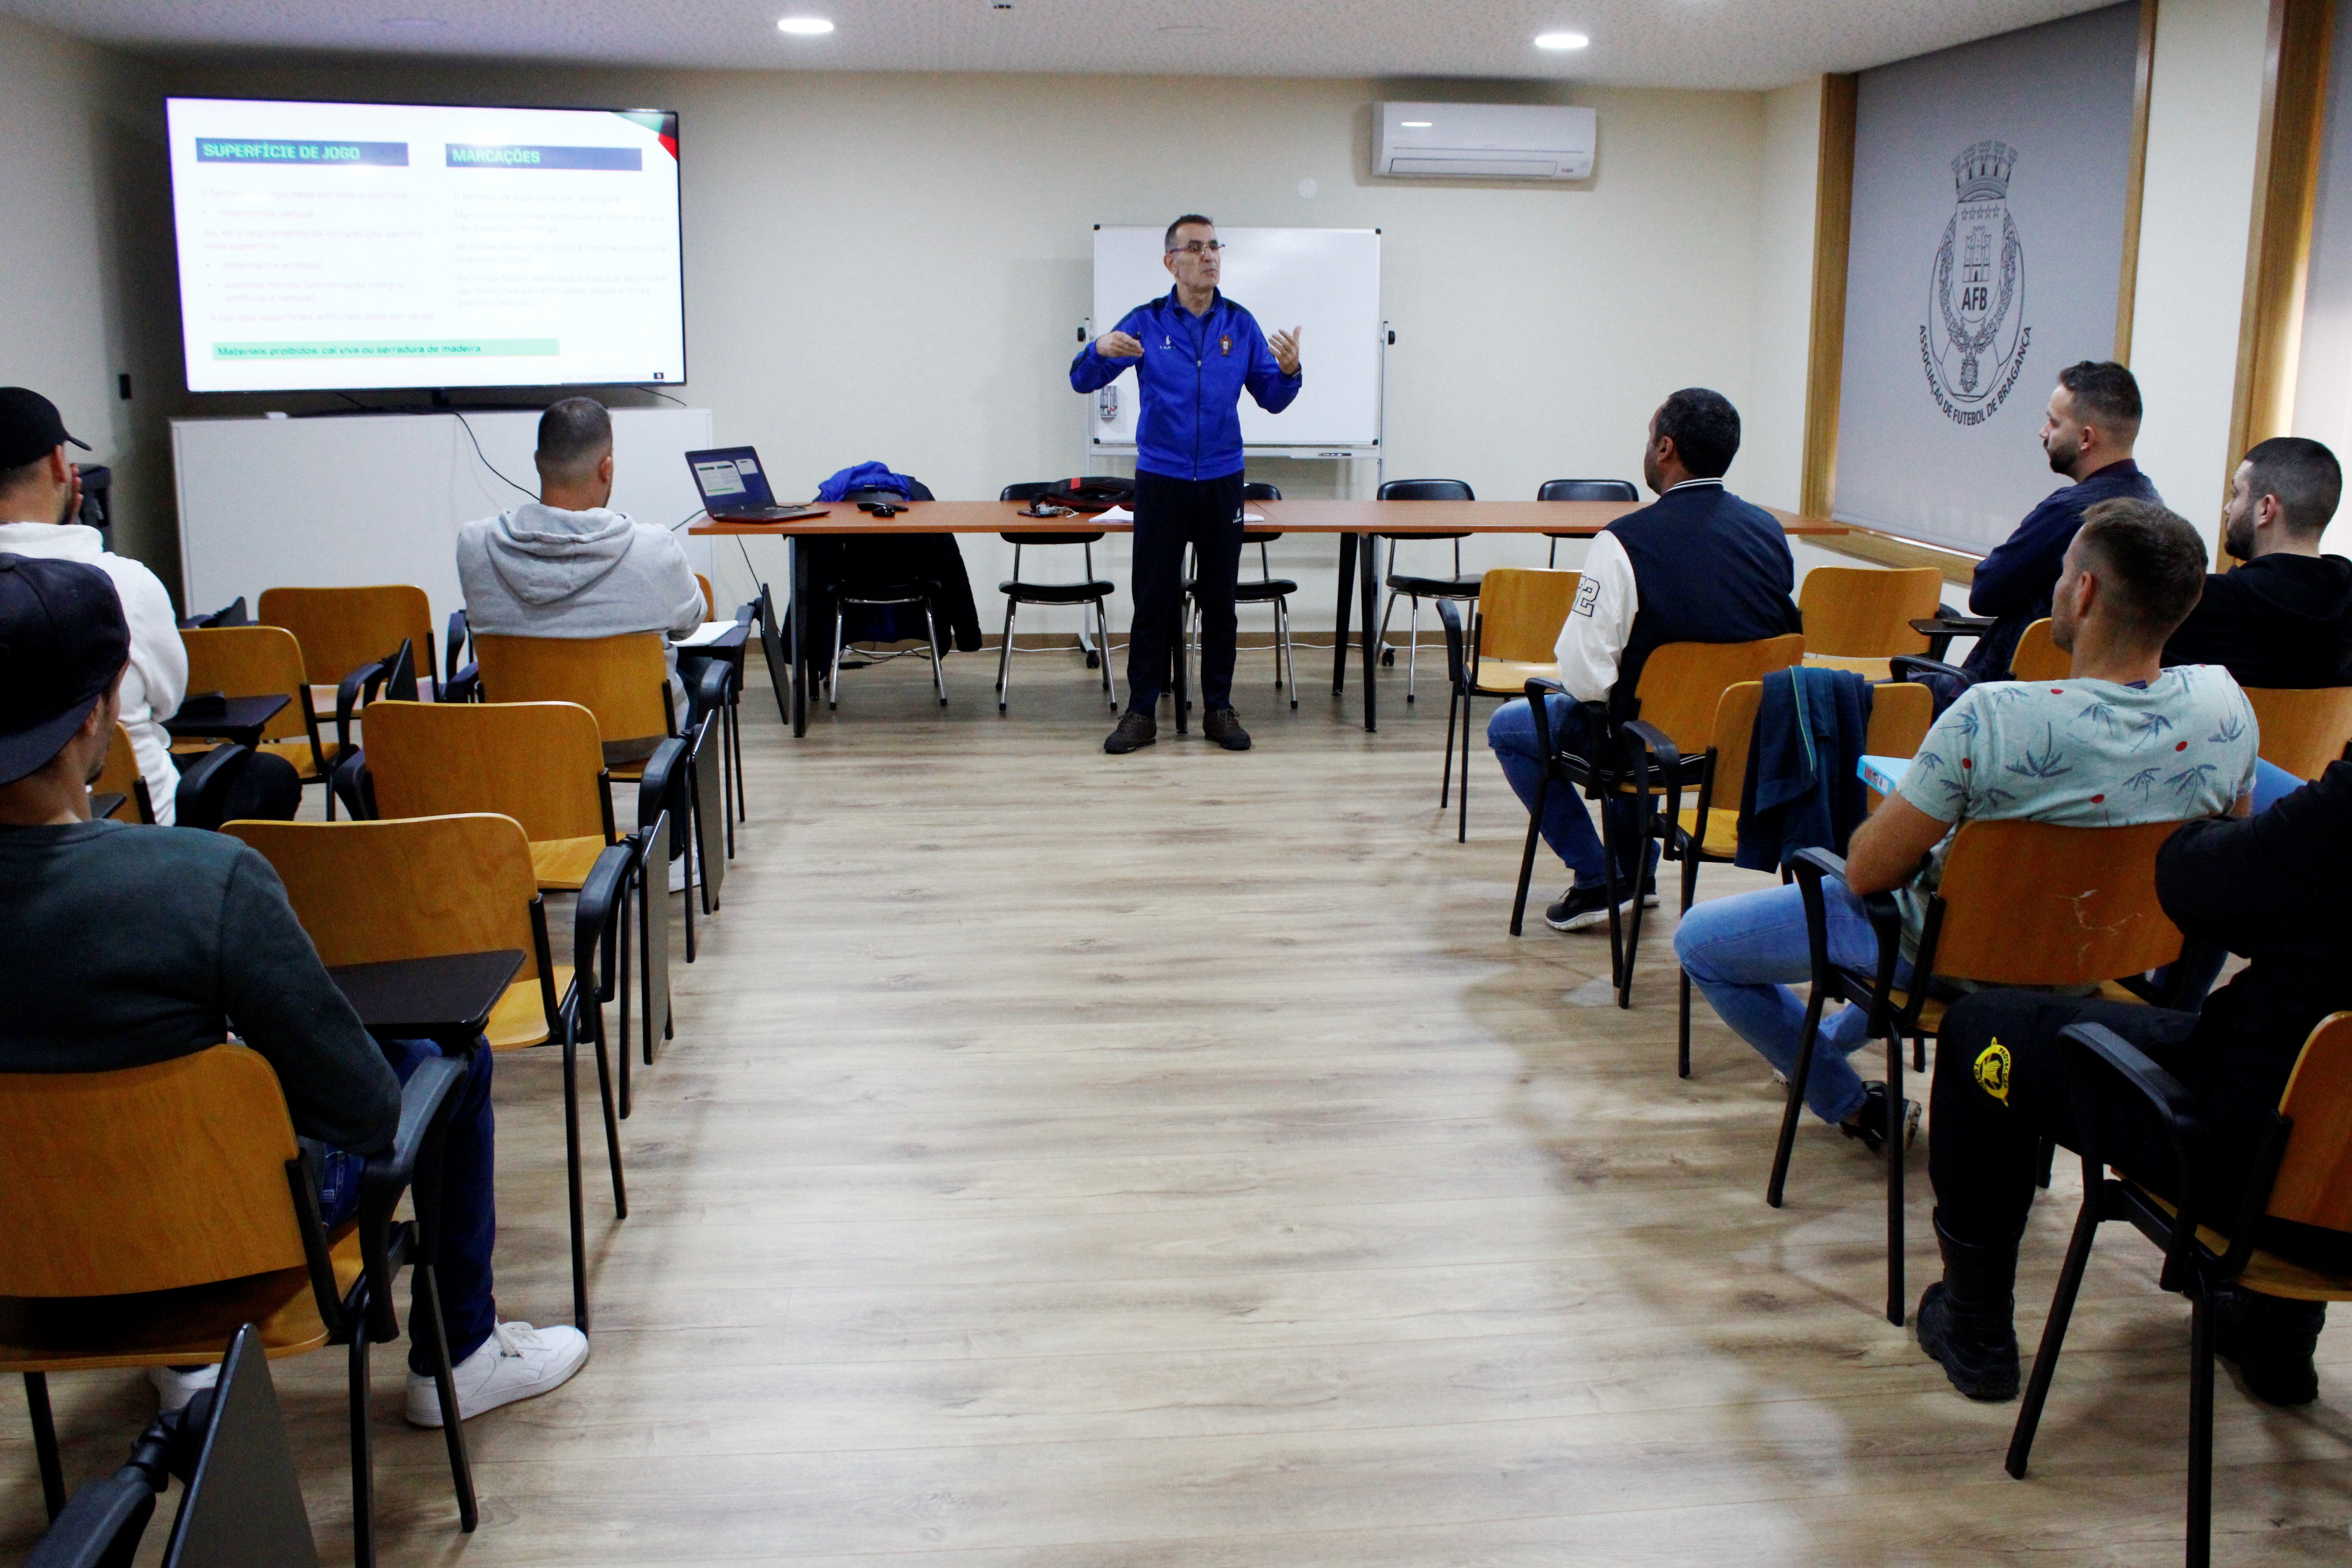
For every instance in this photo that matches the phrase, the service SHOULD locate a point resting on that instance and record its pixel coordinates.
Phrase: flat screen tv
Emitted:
(345, 247)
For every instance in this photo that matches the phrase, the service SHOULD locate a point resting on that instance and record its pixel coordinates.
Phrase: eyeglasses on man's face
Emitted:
(1197, 247)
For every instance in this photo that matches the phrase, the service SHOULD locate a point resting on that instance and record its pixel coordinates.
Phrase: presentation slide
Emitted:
(352, 246)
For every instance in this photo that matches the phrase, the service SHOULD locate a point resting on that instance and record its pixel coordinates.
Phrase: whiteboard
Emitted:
(342, 503)
(1326, 280)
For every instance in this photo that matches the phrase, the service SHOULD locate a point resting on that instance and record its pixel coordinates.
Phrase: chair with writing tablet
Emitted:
(2302, 732)
(1859, 617)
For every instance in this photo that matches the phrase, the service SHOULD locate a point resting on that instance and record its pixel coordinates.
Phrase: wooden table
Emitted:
(1358, 524)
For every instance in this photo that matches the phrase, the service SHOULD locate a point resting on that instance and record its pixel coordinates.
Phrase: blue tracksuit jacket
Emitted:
(1193, 371)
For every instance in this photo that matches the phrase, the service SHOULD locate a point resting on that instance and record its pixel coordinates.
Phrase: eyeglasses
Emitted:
(1198, 247)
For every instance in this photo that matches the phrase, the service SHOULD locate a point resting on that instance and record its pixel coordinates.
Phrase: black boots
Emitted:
(2271, 1341)
(1966, 1319)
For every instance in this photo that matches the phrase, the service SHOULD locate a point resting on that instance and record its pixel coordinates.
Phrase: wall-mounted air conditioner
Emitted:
(1485, 142)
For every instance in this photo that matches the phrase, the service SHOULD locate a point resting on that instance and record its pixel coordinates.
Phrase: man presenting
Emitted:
(1193, 352)
(2087, 434)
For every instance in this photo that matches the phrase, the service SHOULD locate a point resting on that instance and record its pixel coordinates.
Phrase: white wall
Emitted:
(2204, 119)
(64, 106)
(1772, 458)
(895, 266)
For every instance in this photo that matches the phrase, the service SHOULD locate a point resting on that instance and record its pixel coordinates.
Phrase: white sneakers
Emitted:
(517, 1362)
(175, 1388)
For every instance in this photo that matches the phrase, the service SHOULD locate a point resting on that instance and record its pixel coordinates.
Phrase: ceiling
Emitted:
(1750, 44)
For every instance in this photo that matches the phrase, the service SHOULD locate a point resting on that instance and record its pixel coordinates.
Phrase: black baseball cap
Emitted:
(63, 641)
(30, 428)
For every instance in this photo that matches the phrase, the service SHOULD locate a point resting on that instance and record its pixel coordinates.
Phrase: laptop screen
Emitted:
(730, 478)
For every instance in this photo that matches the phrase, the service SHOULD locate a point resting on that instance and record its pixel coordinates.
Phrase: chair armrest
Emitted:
(709, 692)
(1456, 668)
(1649, 748)
(1540, 686)
(354, 786)
(348, 700)
(1946, 623)
(2088, 1049)
(465, 685)
(413, 1162)
(596, 921)
(1904, 666)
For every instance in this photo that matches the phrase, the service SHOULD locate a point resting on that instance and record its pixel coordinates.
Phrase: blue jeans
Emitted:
(1567, 824)
(2270, 782)
(1741, 952)
(468, 1203)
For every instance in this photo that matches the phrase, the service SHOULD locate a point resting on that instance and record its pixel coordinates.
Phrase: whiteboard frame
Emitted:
(1376, 448)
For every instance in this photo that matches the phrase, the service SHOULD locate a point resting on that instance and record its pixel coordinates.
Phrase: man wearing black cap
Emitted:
(120, 946)
(40, 506)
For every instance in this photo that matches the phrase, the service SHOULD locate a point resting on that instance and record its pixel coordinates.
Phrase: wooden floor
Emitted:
(1070, 1161)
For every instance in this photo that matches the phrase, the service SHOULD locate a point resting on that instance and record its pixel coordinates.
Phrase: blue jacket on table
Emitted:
(1193, 371)
(2014, 584)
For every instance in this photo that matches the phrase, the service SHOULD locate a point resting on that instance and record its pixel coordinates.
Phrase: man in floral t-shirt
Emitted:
(2120, 740)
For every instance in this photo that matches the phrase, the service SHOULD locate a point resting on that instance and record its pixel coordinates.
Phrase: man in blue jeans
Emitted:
(1698, 566)
(1194, 353)
(2120, 740)
(120, 946)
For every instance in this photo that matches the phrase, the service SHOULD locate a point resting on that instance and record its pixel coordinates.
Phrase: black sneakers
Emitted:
(1224, 726)
(1978, 1348)
(1869, 1124)
(2271, 1340)
(1134, 732)
(1581, 906)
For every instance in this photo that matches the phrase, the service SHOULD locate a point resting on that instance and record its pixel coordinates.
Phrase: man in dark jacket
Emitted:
(2271, 887)
(1698, 564)
(120, 946)
(2087, 434)
(2283, 619)
(1194, 353)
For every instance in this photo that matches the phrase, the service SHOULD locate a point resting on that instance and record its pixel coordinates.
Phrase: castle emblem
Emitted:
(1973, 344)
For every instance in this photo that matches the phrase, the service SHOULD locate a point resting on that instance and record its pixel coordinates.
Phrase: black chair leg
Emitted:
(1690, 893)
(2199, 1551)
(612, 1124)
(362, 1448)
(1774, 1188)
(435, 1333)
(2054, 1335)
(1895, 1155)
(572, 1177)
(1462, 828)
(1445, 785)
(1608, 888)
(45, 1442)
(1528, 859)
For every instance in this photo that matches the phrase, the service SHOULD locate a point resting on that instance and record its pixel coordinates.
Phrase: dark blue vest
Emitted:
(1707, 567)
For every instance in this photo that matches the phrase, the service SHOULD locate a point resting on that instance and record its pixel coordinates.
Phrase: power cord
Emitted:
(480, 453)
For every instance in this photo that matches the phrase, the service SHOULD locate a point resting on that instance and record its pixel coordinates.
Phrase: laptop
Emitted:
(733, 485)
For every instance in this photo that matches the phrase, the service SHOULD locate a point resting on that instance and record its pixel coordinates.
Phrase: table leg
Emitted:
(1369, 548)
(1347, 599)
(797, 573)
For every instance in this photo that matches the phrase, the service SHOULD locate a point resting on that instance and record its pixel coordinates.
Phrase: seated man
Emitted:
(2084, 753)
(2271, 887)
(122, 945)
(2283, 619)
(566, 565)
(40, 513)
(1698, 564)
(2087, 434)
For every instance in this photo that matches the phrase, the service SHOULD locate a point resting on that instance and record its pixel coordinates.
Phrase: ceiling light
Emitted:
(1561, 40)
(1416, 125)
(805, 26)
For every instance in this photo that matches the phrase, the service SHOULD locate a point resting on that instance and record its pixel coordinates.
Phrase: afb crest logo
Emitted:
(1973, 342)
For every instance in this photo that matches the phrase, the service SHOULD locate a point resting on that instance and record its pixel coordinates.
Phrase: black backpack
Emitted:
(1090, 494)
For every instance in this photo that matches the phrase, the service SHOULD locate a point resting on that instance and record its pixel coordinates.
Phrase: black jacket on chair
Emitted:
(931, 564)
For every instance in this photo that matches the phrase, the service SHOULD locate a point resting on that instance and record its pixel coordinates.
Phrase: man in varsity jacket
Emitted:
(1698, 564)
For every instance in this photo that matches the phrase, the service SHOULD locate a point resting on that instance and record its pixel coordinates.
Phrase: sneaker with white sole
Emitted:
(175, 1387)
(517, 1362)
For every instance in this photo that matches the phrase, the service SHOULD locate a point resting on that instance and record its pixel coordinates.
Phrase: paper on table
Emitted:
(708, 631)
(1883, 773)
(1121, 514)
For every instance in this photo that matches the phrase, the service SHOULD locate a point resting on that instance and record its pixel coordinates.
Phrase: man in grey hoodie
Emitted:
(566, 565)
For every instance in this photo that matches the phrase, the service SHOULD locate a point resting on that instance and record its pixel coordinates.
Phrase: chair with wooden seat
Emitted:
(1663, 746)
(1583, 489)
(2302, 732)
(537, 763)
(2019, 903)
(1088, 592)
(119, 788)
(342, 628)
(373, 892)
(153, 1210)
(1415, 586)
(1859, 617)
(2302, 1175)
(266, 661)
(1708, 832)
(624, 680)
(2038, 657)
(1517, 626)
